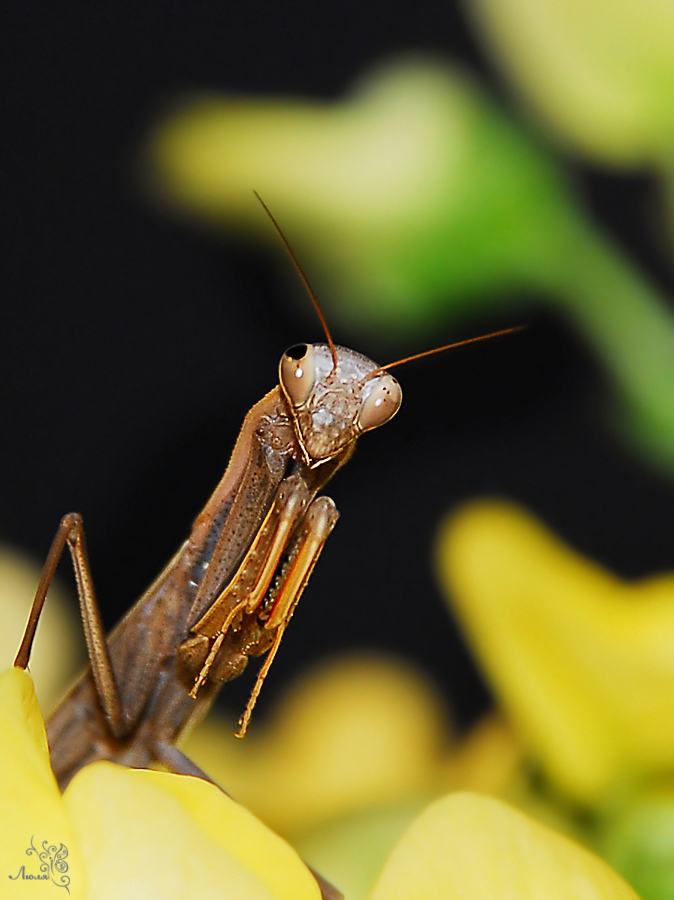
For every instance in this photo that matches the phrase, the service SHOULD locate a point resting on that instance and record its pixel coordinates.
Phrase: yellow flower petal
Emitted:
(352, 733)
(471, 847)
(135, 833)
(600, 73)
(583, 662)
(32, 813)
(381, 152)
(487, 760)
(154, 835)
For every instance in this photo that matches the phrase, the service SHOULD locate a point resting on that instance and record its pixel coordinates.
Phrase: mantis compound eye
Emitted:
(297, 373)
(381, 402)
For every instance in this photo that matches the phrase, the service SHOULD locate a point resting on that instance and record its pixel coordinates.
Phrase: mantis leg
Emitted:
(319, 521)
(71, 532)
(249, 586)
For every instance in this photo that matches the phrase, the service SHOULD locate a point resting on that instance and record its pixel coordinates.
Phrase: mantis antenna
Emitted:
(331, 343)
(305, 280)
(482, 337)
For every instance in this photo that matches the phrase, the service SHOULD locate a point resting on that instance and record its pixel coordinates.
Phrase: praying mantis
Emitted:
(229, 592)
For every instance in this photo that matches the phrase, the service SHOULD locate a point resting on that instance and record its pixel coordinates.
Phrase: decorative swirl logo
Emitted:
(53, 865)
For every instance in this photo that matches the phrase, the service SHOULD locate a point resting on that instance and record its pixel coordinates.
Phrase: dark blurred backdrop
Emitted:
(132, 346)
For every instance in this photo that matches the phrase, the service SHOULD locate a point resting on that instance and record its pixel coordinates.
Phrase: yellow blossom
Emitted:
(143, 834)
(582, 660)
(599, 74)
(120, 832)
(352, 753)
(353, 733)
(468, 847)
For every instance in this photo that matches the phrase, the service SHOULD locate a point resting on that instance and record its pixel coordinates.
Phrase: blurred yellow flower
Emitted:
(600, 74)
(582, 661)
(356, 733)
(120, 832)
(470, 847)
(127, 833)
(352, 753)
(351, 734)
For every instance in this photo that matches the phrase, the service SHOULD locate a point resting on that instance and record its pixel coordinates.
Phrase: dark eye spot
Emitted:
(297, 351)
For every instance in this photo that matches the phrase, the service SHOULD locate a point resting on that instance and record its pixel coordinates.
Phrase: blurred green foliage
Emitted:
(637, 838)
(415, 201)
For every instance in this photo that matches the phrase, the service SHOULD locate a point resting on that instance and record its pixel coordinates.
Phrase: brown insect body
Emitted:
(196, 626)
(230, 591)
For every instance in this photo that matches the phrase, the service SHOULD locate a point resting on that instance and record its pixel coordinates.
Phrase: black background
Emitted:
(132, 346)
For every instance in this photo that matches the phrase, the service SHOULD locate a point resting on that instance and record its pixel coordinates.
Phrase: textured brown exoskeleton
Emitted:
(229, 592)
